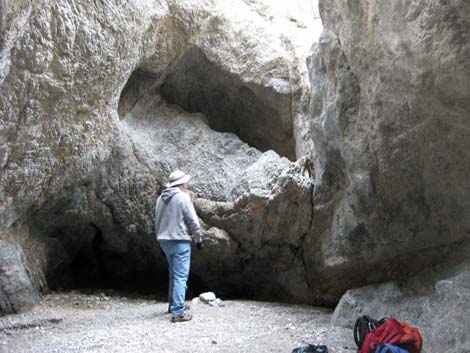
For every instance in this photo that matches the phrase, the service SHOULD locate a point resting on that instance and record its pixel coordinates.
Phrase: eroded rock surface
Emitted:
(390, 103)
(391, 130)
(21, 283)
(101, 102)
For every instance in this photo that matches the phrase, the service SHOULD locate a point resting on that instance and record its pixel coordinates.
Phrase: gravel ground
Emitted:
(103, 322)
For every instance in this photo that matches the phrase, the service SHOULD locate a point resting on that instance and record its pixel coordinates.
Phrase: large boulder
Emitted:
(437, 302)
(390, 103)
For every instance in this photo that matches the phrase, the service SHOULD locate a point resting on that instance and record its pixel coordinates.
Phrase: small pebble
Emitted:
(217, 303)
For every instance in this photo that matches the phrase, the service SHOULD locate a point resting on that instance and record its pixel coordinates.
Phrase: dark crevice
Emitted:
(259, 116)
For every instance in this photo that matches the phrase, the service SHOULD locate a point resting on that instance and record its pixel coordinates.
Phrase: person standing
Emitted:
(175, 222)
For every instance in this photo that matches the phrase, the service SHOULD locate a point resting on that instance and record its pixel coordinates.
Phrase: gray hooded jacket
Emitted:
(175, 217)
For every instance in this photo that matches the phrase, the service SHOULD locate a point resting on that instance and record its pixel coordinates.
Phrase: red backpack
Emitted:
(411, 339)
(390, 332)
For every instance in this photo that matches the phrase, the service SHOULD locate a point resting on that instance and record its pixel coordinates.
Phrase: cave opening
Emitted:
(79, 258)
(83, 261)
(83, 248)
(260, 116)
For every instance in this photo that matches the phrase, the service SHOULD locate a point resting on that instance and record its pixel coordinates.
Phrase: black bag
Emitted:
(363, 326)
(311, 348)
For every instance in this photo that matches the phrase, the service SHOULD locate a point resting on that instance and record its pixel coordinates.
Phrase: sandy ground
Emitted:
(98, 322)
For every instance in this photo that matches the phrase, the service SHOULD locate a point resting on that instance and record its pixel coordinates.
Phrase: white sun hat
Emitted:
(177, 178)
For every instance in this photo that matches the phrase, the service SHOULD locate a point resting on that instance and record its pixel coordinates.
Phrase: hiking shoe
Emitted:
(185, 317)
(186, 307)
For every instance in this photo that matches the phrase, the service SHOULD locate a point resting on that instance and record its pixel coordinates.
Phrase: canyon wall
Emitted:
(100, 102)
(391, 124)
(309, 181)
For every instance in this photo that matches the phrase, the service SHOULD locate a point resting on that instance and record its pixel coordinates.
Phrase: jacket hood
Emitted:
(168, 193)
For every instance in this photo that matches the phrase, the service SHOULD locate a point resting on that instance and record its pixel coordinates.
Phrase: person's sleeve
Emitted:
(157, 216)
(191, 219)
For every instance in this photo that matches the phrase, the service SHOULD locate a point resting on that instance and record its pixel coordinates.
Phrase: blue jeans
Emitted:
(178, 255)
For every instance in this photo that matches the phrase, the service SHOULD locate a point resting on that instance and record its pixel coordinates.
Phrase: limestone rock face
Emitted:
(100, 102)
(390, 107)
(390, 103)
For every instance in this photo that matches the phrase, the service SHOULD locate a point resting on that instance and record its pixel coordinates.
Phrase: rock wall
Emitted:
(302, 194)
(21, 282)
(390, 122)
(390, 108)
(100, 102)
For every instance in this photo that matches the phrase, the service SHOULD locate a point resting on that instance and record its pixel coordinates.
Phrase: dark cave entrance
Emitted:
(80, 257)
(85, 255)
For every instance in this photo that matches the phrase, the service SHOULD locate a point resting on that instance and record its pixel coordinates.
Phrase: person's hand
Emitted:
(199, 246)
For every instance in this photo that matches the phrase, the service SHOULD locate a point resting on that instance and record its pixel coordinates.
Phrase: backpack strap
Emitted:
(382, 321)
(363, 325)
(359, 327)
(356, 332)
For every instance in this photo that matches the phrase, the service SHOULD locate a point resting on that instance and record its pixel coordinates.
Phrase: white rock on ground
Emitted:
(207, 297)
